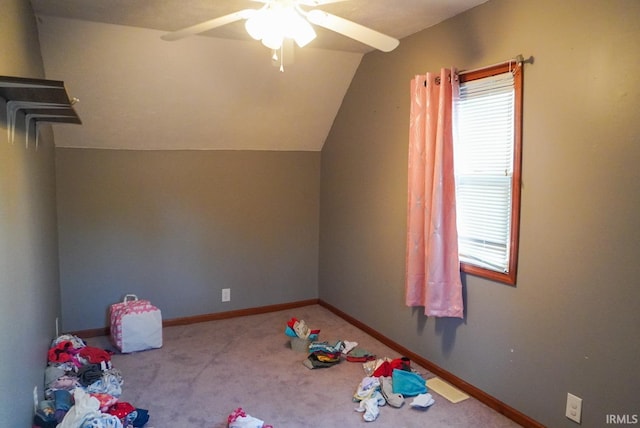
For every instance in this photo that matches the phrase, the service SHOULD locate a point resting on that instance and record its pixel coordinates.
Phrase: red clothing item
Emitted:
(63, 352)
(292, 322)
(121, 409)
(95, 355)
(386, 368)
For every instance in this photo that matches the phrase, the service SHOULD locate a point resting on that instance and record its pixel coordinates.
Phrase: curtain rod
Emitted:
(518, 59)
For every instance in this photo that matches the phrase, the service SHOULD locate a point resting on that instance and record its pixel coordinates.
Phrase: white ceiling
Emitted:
(214, 91)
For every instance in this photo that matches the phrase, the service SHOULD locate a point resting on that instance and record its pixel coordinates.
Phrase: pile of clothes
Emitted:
(323, 354)
(386, 381)
(82, 389)
(390, 381)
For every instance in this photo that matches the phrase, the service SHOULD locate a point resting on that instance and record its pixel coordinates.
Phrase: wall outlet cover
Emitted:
(574, 408)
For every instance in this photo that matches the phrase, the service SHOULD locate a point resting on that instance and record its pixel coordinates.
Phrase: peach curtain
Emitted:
(432, 263)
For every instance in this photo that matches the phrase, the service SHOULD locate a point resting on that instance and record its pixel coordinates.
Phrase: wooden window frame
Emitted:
(510, 276)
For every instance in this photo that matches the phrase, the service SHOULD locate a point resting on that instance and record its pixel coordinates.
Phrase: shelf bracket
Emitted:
(42, 101)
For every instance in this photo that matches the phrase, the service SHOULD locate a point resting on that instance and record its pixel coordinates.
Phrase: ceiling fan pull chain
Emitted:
(282, 58)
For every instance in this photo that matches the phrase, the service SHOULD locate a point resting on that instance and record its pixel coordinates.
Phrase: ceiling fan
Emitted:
(278, 20)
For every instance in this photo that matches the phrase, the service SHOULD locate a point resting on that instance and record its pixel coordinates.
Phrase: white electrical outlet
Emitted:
(574, 408)
(226, 294)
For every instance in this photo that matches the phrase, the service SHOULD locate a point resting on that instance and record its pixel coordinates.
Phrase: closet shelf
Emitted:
(42, 101)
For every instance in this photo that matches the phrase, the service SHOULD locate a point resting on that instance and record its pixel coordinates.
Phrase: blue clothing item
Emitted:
(325, 347)
(408, 383)
(103, 420)
(62, 399)
(142, 417)
(289, 332)
(108, 384)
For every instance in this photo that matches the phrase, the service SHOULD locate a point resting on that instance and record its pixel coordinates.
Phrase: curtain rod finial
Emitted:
(522, 60)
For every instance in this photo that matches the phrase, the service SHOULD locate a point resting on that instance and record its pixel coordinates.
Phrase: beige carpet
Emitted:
(204, 371)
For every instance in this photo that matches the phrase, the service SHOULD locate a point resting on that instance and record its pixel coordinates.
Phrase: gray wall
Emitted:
(176, 227)
(572, 322)
(29, 292)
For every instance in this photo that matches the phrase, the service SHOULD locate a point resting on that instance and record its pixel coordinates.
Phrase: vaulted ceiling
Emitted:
(218, 90)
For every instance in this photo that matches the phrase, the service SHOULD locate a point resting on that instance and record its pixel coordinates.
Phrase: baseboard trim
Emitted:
(483, 397)
(92, 332)
(104, 331)
(239, 313)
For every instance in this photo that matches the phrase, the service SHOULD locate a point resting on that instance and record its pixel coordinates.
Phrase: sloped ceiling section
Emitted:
(139, 92)
(216, 91)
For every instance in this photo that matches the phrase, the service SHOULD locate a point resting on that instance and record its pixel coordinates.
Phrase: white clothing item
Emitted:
(105, 420)
(85, 406)
(348, 346)
(366, 388)
(423, 400)
(246, 422)
(302, 329)
(369, 407)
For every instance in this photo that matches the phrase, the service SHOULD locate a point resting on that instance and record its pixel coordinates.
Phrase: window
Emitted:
(487, 159)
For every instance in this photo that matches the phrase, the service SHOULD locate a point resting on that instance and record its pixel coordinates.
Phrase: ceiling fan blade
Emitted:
(353, 30)
(317, 2)
(306, 2)
(209, 25)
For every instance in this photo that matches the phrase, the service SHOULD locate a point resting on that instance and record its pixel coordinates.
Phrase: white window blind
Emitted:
(484, 162)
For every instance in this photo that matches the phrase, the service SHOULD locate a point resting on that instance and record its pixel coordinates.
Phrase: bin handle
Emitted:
(129, 297)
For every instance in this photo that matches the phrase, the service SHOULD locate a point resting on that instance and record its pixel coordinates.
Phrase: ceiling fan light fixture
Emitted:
(299, 29)
(256, 24)
(272, 24)
(273, 40)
